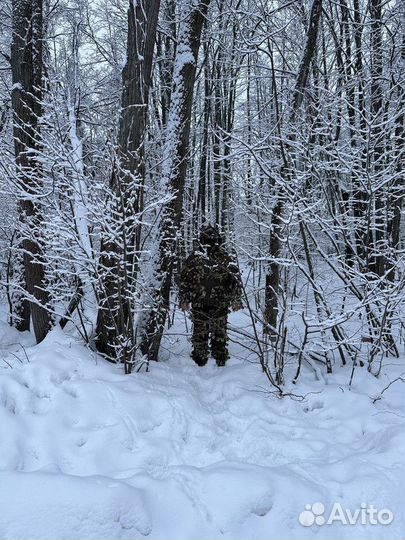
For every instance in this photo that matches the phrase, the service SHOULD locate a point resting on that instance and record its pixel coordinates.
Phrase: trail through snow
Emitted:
(186, 452)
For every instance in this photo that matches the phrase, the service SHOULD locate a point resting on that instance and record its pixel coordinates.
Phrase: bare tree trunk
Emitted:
(359, 192)
(225, 70)
(27, 73)
(378, 259)
(398, 192)
(272, 280)
(165, 52)
(202, 184)
(229, 95)
(216, 138)
(273, 272)
(249, 116)
(307, 56)
(174, 173)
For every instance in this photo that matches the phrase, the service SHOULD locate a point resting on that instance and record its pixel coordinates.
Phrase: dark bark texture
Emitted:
(27, 74)
(119, 260)
(157, 305)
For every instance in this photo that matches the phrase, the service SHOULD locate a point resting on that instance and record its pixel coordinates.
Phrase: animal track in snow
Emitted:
(313, 406)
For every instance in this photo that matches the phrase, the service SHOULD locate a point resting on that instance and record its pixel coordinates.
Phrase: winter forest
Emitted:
(158, 380)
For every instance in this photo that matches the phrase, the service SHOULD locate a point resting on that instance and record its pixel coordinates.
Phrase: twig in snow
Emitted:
(400, 378)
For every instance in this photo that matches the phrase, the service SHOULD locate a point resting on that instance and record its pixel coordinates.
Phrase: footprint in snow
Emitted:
(313, 406)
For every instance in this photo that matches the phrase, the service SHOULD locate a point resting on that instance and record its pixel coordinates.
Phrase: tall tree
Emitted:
(378, 258)
(27, 75)
(275, 246)
(174, 173)
(119, 260)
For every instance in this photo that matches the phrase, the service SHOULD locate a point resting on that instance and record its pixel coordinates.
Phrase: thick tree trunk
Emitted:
(27, 72)
(174, 173)
(119, 259)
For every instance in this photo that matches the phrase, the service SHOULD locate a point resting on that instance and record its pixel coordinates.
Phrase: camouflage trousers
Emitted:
(209, 331)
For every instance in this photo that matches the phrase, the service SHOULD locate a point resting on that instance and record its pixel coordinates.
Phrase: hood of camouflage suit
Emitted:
(210, 236)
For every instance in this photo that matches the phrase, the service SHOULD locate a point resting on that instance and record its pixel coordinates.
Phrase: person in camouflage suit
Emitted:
(210, 282)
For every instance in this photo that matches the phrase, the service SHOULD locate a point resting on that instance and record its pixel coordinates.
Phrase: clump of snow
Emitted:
(46, 505)
(186, 452)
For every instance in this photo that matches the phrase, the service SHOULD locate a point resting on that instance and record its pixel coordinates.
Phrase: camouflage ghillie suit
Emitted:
(211, 282)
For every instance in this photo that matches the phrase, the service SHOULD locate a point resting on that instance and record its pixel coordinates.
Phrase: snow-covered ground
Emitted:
(190, 453)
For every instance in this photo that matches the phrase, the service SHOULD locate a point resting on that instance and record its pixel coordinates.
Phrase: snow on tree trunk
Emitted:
(378, 235)
(119, 254)
(80, 196)
(27, 74)
(275, 247)
(156, 303)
